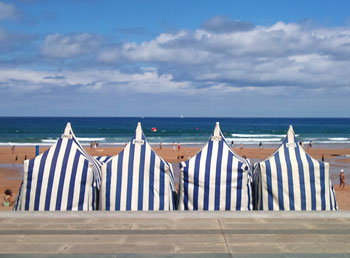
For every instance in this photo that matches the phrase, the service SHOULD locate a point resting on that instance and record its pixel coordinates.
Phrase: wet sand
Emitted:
(11, 171)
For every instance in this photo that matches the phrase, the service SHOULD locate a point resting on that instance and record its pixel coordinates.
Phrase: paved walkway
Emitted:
(175, 234)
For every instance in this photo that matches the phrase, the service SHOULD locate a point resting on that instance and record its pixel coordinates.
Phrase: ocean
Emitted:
(116, 131)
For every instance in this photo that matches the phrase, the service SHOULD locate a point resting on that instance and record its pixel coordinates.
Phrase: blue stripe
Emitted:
(52, 174)
(280, 182)
(151, 182)
(239, 186)
(207, 176)
(40, 180)
(269, 185)
(185, 185)
(141, 175)
(72, 180)
(323, 187)
(29, 182)
(130, 176)
(82, 185)
(108, 185)
(218, 176)
(260, 196)
(301, 178)
(229, 181)
(312, 182)
(119, 180)
(335, 201)
(330, 198)
(196, 180)
(161, 186)
(290, 178)
(63, 175)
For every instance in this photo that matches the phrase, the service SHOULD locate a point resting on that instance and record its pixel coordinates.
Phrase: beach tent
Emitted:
(65, 177)
(137, 179)
(216, 178)
(292, 180)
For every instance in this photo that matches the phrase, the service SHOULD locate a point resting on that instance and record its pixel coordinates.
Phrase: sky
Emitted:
(161, 58)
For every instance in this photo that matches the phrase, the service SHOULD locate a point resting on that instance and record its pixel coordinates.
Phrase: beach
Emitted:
(11, 170)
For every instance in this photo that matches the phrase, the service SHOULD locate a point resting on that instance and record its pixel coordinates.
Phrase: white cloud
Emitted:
(8, 12)
(59, 46)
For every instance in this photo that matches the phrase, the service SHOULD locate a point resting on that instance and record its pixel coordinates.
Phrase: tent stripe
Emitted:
(40, 180)
(239, 186)
(207, 177)
(301, 179)
(141, 176)
(312, 182)
(218, 176)
(82, 188)
(119, 181)
(322, 179)
(63, 175)
(269, 184)
(280, 182)
(130, 175)
(228, 182)
(195, 183)
(72, 181)
(29, 183)
(290, 179)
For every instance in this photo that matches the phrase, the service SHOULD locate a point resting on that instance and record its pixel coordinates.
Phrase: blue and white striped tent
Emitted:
(292, 180)
(216, 178)
(65, 177)
(137, 179)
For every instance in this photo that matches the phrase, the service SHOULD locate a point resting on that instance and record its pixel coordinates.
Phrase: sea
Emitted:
(190, 131)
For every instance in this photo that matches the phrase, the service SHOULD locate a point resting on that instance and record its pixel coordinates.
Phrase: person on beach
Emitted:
(160, 145)
(13, 149)
(241, 146)
(342, 180)
(178, 146)
(310, 144)
(7, 198)
(174, 146)
(260, 145)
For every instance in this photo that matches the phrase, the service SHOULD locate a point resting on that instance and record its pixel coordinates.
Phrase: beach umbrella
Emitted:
(65, 177)
(216, 178)
(137, 178)
(290, 179)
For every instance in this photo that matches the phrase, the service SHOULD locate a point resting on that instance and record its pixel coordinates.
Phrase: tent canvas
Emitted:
(65, 177)
(216, 178)
(137, 178)
(290, 179)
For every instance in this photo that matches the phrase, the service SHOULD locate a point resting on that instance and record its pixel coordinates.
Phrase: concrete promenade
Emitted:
(174, 234)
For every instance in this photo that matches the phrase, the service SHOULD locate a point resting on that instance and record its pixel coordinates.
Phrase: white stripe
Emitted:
(135, 177)
(33, 182)
(57, 174)
(223, 182)
(202, 177)
(156, 183)
(146, 178)
(235, 163)
(77, 183)
(285, 186)
(274, 183)
(124, 182)
(190, 195)
(317, 184)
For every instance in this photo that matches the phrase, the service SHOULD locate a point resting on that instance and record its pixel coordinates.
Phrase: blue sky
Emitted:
(167, 58)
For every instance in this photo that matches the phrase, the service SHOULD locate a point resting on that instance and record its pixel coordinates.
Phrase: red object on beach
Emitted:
(154, 129)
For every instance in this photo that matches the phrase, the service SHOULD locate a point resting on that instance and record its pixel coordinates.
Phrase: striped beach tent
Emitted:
(103, 159)
(290, 179)
(65, 177)
(137, 179)
(216, 178)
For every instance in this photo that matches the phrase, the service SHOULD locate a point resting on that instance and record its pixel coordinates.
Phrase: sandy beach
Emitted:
(11, 174)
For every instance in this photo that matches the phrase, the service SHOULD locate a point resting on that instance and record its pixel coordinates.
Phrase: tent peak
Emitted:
(68, 129)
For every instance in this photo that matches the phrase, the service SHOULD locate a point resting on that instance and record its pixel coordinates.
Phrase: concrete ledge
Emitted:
(178, 214)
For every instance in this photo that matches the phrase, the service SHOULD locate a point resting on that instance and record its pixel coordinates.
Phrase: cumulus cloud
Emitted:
(60, 46)
(8, 12)
(239, 54)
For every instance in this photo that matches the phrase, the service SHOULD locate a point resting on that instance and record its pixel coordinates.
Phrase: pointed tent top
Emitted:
(139, 131)
(68, 131)
(217, 130)
(290, 134)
